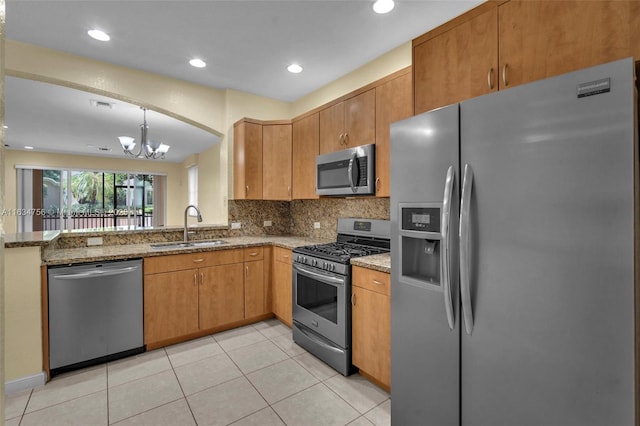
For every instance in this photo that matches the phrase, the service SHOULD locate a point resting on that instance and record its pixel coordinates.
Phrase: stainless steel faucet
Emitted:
(186, 235)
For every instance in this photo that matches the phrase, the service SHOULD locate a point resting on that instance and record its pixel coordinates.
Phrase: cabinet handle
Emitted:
(246, 272)
(377, 184)
(376, 282)
(341, 139)
(255, 253)
(353, 299)
(201, 278)
(346, 139)
(504, 75)
(195, 279)
(246, 190)
(490, 78)
(289, 191)
(198, 260)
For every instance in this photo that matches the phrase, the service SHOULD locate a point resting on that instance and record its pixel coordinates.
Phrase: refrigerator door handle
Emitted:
(445, 255)
(465, 246)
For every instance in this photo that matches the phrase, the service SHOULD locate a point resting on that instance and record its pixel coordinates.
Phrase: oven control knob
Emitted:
(332, 267)
(324, 265)
(314, 262)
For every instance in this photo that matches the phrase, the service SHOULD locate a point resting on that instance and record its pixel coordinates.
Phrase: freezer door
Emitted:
(551, 252)
(424, 348)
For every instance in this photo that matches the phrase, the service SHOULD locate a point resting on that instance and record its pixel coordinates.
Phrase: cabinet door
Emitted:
(360, 119)
(282, 286)
(371, 333)
(459, 64)
(247, 161)
(540, 39)
(170, 305)
(306, 147)
(254, 289)
(276, 160)
(221, 298)
(332, 128)
(393, 102)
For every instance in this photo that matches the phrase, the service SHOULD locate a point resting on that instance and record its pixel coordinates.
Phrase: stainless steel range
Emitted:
(322, 289)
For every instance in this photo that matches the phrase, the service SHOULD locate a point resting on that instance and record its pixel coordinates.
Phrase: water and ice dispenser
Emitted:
(420, 244)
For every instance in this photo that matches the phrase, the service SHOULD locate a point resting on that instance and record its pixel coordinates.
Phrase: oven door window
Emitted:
(317, 297)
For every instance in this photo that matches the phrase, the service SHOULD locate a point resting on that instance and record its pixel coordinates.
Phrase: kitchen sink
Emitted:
(187, 244)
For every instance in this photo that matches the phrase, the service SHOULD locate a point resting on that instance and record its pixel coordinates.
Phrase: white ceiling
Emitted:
(246, 44)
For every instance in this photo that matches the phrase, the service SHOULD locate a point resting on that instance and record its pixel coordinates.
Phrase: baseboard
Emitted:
(24, 383)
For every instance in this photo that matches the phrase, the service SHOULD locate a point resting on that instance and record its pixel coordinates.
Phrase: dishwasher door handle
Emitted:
(96, 273)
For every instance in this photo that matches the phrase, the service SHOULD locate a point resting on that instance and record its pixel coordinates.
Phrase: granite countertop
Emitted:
(30, 239)
(130, 251)
(378, 262)
(64, 256)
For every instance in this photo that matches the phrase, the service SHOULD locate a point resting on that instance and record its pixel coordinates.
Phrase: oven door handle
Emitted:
(330, 279)
(318, 341)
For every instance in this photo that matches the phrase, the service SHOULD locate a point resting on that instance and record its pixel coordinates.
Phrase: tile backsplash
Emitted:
(327, 211)
(298, 217)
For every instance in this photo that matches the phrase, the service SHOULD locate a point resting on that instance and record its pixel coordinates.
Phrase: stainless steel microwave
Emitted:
(347, 172)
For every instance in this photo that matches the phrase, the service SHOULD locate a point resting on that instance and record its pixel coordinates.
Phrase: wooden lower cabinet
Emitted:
(221, 295)
(371, 324)
(170, 305)
(256, 283)
(282, 285)
(188, 293)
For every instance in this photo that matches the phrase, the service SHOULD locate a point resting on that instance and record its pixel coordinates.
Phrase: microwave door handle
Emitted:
(352, 161)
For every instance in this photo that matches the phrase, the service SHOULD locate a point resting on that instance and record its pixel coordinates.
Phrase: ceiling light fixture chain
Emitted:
(149, 149)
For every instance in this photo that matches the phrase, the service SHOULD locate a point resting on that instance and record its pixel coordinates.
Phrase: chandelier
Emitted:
(149, 149)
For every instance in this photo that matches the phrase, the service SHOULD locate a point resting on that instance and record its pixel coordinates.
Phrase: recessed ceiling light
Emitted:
(198, 63)
(99, 35)
(28, 147)
(383, 6)
(294, 68)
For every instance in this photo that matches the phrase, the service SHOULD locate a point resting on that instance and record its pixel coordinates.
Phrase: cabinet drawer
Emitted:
(377, 281)
(177, 262)
(282, 255)
(253, 253)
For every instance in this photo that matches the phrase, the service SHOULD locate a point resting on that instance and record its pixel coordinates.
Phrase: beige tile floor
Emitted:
(254, 375)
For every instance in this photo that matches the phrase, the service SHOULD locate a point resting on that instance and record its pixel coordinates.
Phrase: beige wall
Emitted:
(176, 177)
(2, 250)
(390, 62)
(199, 105)
(23, 313)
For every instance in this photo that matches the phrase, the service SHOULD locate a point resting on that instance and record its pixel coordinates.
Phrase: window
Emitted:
(193, 187)
(84, 199)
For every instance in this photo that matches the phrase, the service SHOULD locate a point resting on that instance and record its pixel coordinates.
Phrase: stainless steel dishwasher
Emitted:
(95, 313)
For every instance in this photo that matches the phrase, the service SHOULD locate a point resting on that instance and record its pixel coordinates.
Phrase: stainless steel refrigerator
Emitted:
(514, 270)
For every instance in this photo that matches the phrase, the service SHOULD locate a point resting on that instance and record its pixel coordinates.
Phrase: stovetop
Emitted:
(340, 251)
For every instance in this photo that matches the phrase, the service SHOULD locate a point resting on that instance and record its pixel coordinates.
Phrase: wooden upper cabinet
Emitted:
(457, 64)
(247, 160)
(306, 147)
(332, 128)
(393, 103)
(540, 39)
(276, 158)
(348, 123)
